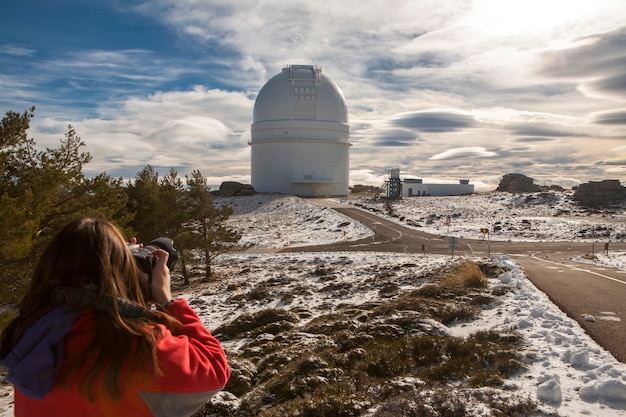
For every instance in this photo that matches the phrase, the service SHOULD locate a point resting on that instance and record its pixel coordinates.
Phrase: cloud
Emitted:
(16, 50)
(198, 129)
(597, 61)
(460, 153)
(395, 137)
(619, 163)
(531, 139)
(544, 130)
(434, 121)
(616, 117)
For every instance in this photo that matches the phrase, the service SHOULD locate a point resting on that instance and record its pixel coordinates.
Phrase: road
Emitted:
(576, 288)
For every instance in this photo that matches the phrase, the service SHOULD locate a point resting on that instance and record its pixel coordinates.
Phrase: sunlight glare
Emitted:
(529, 17)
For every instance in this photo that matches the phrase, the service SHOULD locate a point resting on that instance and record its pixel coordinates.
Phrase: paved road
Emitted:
(580, 289)
(575, 287)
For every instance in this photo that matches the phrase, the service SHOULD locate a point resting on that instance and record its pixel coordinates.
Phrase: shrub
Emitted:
(483, 358)
(462, 403)
(467, 274)
(265, 321)
(332, 400)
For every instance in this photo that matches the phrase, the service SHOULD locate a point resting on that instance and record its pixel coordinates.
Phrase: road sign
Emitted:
(484, 230)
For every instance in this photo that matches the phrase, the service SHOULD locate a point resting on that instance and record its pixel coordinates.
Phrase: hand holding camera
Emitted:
(161, 279)
(155, 261)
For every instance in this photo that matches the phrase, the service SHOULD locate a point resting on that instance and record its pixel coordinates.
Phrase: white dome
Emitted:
(300, 92)
(300, 135)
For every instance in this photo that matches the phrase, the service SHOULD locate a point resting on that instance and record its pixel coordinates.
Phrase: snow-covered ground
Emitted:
(545, 216)
(276, 221)
(567, 371)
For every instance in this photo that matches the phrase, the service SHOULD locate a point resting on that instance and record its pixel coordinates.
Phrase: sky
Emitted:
(442, 89)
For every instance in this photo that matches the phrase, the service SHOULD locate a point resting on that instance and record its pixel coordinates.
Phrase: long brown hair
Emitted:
(92, 253)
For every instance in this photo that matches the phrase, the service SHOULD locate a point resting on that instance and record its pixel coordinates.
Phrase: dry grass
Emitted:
(468, 274)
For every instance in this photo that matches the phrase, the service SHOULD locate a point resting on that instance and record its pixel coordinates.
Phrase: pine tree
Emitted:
(208, 222)
(144, 199)
(40, 191)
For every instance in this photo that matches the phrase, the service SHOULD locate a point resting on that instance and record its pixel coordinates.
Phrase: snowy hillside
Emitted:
(566, 373)
(544, 216)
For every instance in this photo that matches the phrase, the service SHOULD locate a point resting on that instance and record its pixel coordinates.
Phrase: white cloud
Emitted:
(472, 152)
(199, 129)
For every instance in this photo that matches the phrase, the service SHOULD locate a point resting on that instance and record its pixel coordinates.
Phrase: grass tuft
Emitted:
(468, 274)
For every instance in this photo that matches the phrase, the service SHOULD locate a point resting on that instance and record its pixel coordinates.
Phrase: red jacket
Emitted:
(193, 364)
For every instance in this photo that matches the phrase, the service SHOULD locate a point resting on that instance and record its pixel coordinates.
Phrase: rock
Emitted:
(364, 189)
(518, 183)
(600, 193)
(235, 189)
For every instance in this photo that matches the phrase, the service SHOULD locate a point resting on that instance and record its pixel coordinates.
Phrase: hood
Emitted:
(35, 361)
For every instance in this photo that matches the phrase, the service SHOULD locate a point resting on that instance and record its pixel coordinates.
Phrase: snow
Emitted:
(567, 371)
(545, 216)
(277, 221)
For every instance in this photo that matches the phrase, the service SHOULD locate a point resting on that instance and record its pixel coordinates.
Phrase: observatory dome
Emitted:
(300, 92)
(300, 135)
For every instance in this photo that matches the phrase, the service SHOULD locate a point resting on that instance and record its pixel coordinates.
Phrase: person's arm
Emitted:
(161, 280)
(193, 365)
(192, 361)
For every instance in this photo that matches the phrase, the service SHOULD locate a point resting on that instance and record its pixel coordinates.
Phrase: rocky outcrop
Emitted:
(600, 194)
(518, 183)
(364, 189)
(235, 189)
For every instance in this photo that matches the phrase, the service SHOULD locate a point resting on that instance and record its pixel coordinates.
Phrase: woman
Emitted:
(86, 343)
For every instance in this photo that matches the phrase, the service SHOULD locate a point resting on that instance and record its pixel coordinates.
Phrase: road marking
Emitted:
(580, 269)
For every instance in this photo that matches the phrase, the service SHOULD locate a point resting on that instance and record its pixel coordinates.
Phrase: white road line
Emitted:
(580, 269)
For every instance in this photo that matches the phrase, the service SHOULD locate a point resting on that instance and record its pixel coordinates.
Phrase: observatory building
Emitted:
(395, 188)
(300, 135)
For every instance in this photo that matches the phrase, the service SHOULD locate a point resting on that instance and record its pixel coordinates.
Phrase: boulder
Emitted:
(518, 183)
(364, 189)
(600, 193)
(235, 189)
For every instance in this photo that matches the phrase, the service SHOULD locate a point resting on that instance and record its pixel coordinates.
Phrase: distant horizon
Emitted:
(215, 187)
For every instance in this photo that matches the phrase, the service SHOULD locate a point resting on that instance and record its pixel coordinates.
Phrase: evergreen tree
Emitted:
(40, 191)
(172, 195)
(144, 199)
(208, 222)
(17, 161)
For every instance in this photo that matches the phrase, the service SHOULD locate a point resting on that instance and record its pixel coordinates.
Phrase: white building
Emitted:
(415, 187)
(395, 187)
(300, 135)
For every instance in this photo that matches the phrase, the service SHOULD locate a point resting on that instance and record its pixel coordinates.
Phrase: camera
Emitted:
(146, 260)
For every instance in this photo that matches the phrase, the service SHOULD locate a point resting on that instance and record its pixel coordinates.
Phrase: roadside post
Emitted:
(485, 231)
(452, 243)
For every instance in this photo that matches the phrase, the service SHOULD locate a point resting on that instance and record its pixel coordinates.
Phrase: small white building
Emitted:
(395, 187)
(300, 135)
(415, 187)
